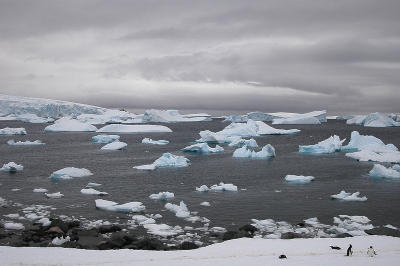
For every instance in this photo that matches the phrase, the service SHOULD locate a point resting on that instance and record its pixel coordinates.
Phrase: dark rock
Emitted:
(149, 244)
(109, 229)
(282, 256)
(290, 235)
(188, 245)
(61, 224)
(248, 228)
(19, 243)
(73, 224)
(335, 247)
(301, 224)
(383, 231)
(230, 235)
(344, 235)
(88, 242)
(70, 244)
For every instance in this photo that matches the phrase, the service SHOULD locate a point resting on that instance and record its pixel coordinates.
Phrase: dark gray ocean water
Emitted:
(257, 180)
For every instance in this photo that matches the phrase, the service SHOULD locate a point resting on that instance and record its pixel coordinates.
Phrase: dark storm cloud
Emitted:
(340, 55)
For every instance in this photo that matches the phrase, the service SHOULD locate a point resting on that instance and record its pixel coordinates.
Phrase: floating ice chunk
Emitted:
(13, 216)
(205, 203)
(55, 195)
(90, 185)
(267, 151)
(70, 172)
(203, 148)
(44, 221)
(91, 191)
(3, 202)
(162, 230)
(382, 157)
(224, 187)
(259, 116)
(251, 143)
(181, 210)
(391, 227)
(300, 179)
(356, 120)
(58, 241)
(12, 131)
(249, 129)
(236, 118)
(166, 160)
(12, 167)
(141, 219)
(106, 205)
(118, 128)
(381, 171)
(162, 196)
(14, 226)
(330, 145)
(155, 142)
(116, 145)
(129, 207)
(40, 190)
(218, 230)
(66, 124)
(171, 116)
(109, 116)
(343, 195)
(202, 188)
(373, 120)
(353, 225)
(12, 142)
(264, 129)
(212, 137)
(360, 142)
(297, 120)
(102, 138)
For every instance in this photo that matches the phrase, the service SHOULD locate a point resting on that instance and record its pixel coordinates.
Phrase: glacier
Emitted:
(129, 207)
(155, 142)
(118, 128)
(105, 139)
(330, 145)
(203, 148)
(116, 145)
(12, 142)
(166, 160)
(300, 179)
(7, 131)
(12, 167)
(69, 173)
(66, 124)
(383, 172)
(345, 196)
(267, 151)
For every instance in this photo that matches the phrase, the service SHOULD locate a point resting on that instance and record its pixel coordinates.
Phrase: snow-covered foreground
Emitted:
(244, 251)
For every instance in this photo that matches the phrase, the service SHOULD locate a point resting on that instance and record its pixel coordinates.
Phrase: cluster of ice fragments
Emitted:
(155, 142)
(7, 131)
(134, 206)
(166, 160)
(267, 151)
(299, 179)
(203, 148)
(69, 173)
(220, 187)
(12, 167)
(345, 196)
(12, 142)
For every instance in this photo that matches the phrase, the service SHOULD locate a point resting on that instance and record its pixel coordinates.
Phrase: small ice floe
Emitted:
(15, 189)
(58, 241)
(299, 179)
(202, 188)
(91, 191)
(105, 139)
(66, 124)
(55, 195)
(129, 207)
(203, 148)
(181, 210)
(343, 195)
(251, 143)
(267, 151)
(163, 230)
(221, 187)
(205, 203)
(44, 221)
(12, 167)
(118, 128)
(383, 172)
(116, 145)
(12, 131)
(40, 190)
(162, 196)
(165, 161)
(90, 185)
(353, 225)
(155, 142)
(141, 219)
(3, 202)
(391, 227)
(14, 226)
(70, 172)
(12, 142)
(330, 145)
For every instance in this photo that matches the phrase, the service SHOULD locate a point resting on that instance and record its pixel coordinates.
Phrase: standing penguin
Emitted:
(349, 250)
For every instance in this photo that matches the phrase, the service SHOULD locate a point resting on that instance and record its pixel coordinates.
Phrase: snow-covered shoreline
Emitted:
(244, 251)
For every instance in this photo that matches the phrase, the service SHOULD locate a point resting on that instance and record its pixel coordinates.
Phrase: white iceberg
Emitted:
(90, 185)
(251, 143)
(382, 157)
(14, 226)
(105, 139)
(55, 195)
(360, 142)
(40, 190)
(355, 120)
(202, 188)
(171, 116)
(203, 148)
(236, 118)
(260, 116)
(58, 241)
(70, 172)
(28, 118)
(223, 187)
(181, 210)
(300, 179)
(166, 160)
(12, 142)
(118, 128)
(264, 129)
(330, 145)
(383, 172)
(162, 196)
(205, 203)
(12, 167)
(108, 116)
(66, 124)
(267, 151)
(297, 120)
(343, 195)
(373, 120)
(212, 137)
(7, 131)
(162, 230)
(155, 142)
(129, 207)
(91, 191)
(116, 145)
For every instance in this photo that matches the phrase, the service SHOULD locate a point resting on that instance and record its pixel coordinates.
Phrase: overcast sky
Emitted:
(298, 55)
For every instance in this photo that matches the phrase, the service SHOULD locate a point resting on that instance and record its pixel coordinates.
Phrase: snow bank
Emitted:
(66, 124)
(105, 139)
(181, 210)
(12, 167)
(166, 160)
(7, 131)
(129, 207)
(70, 172)
(267, 151)
(343, 195)
(116, 145)
(203, 148)
(118, 128)
(162, 196)
(55, 195)
(383, 172)
(14, 226)
(330, 145)
(91, 191)
(299, 179)
(155, 142)
(12, 142)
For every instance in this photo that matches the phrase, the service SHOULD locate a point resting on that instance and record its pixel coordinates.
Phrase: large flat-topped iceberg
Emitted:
(330, 145)
(244, 152)
(373, 120)
(167, 160)
(70, 172)
(297, 120)
(70, 125)
(7, 131)
(108, 116)
(299, 179)
(203, 148)
(172, 116)
(320, 115)
(345, 196)
(106, 205)
(118, 128)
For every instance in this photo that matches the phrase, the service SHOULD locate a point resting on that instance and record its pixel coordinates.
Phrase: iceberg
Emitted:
(181, 210)
(381, 157)
(330, 145)
(55, 195)
(297, 120)
(259, 116)
(14, 226)
(28, 118)
(383, 172)
(129, 207)
(108, 116)
(171, 116)
(360, 142)
(116, 145)
(66, 124)
(105, 139)
(343, 195)
(162, 196)
(251, 143)
(162, 230)
(91, 185)
(373, 120)
(91, 191)
(12, 142)
(264, 129)
(166, 160)
(300, 179)
(40, 190)
(70, 172)
(236, 118)
(267, 151)
(155, 142)
(223, 187)
(202, 188)
(205, 203)
(212, 137)
(118, 128)
(7, 131)
(58, 241)
(12, 167)
(203, 148)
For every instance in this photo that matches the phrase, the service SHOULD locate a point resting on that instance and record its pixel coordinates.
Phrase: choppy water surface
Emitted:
(257, 180)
